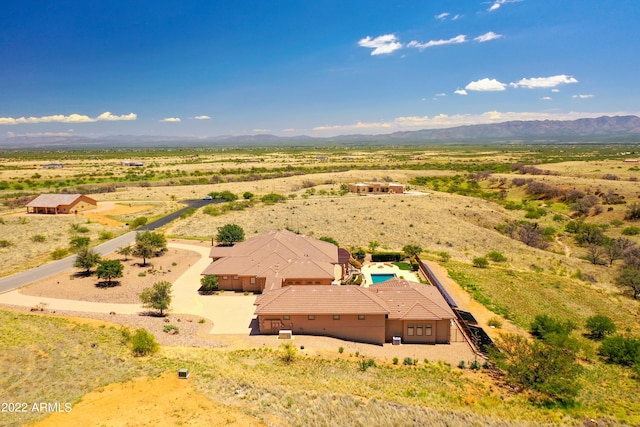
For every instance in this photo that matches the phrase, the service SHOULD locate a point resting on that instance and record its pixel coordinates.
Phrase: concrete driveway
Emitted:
(230, 313)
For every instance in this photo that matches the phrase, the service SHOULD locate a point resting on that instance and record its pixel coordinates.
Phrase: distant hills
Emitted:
(623, 129)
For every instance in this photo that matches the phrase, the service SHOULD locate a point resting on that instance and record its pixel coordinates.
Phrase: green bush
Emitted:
(5, 243)
(38, 238)
(211, 210)
(496, 256)
(169, 328)
(546, 327)
(495, 322)
(631, 231)
(273, 198)
(462, 364)
(208, 284)
(395, 360)
(105, 235)
(600, 326)
(143, 343)
(621, 350)
(340, 349)
(387, 256)
(59, 253)
(289, 353)
(480, 262)
(408, 361)
(444, 256)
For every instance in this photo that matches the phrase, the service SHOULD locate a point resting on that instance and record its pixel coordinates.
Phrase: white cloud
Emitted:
(107, 116)
(555, 90)
(258, 130)
(496, 5)
(486, 85)
(288, 130)
(544, 82)
(202, 118)
(456, 17)
(61, 118)
(381, 45)
(460, 92)
(546, 98)
(440, 94)
(454, 40)
(171, 120)
(487, 37)
(585, 96)
(442, 15)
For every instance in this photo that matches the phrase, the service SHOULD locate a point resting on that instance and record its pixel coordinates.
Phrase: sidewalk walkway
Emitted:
(230, 313)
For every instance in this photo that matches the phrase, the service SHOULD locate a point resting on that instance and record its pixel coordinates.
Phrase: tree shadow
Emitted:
(104, 284)
(82, 274)
(153, 313)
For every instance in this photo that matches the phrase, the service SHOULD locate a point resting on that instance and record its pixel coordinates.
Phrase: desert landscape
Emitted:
(458, 206)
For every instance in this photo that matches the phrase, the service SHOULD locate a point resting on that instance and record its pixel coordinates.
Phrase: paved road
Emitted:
(56, 267)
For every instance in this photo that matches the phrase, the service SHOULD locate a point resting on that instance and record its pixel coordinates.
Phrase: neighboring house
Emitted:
(376, 188)
(276, 259)
(60, 204)
(132, 163)
(53, 166)
(415, 312)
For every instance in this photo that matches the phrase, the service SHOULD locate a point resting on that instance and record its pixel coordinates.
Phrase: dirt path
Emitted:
(165, 401)
(106, 210)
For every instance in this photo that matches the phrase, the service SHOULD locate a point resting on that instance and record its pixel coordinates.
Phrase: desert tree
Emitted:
(599, 326)
(109, 270)
(373, 245)
(595, 253)
(86, 259)
(329, 240)
(78, 242)
(629, 277)
(616, 248)
(126, 251)
(229, 234)
(208, 283)
(412, 250)
(149, 244)
(633, 212)
(157, 296)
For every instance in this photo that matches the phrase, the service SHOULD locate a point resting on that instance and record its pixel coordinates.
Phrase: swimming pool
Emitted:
(377, 278)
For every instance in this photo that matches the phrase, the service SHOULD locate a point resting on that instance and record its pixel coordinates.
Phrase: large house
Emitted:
(275, 259)
(414, 312)
(376, 188)
(60, 204)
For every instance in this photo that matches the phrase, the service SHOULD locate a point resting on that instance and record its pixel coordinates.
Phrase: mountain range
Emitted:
(623, 129)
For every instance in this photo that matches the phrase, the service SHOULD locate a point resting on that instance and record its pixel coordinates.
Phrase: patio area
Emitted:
(384, 271)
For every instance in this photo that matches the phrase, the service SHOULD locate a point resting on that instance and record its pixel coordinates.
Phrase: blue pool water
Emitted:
(377, 278)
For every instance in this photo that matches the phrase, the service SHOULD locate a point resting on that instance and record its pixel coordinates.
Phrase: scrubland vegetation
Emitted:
(546, 237)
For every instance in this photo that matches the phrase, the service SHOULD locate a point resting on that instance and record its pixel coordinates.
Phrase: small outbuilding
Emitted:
(60, 204)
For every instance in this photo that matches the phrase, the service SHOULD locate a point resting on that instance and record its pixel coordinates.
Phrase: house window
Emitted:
(252, 280)
(336, 317)
(427, 330)
(419, 330)
(360, 316)
(311, 317)
(410, 330)
(235, 277)
(286, 317)
(225, 277)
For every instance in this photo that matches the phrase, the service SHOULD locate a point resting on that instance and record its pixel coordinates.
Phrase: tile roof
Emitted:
(412, 301)
(280, 253)
(53, 200)
(320, 300)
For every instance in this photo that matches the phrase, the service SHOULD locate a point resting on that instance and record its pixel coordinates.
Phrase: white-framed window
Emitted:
(360, 316)
(311, 317)
(336, 317)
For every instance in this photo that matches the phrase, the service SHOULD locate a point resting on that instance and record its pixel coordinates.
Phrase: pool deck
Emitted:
(385, 268)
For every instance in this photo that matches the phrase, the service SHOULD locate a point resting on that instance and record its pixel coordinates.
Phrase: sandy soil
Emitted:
(164, 401)
(105, 212)
(73, 286)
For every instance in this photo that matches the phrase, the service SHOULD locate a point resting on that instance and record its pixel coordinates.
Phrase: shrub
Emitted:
(143, 343)
(496, 256)
(202, 321)
(340, 349)
(387, 256)
(59, 253)
(247, 195)
(273, 198)
(5, 243)
(621, 350)
(229, 234)
(444, 256)
(330, 240)
(495, 322)
(289, 352)
(211, 210)
(633, 212)
(462, 364)
(480, 262)
(395, 360)
(38, 238)
(105, 235)
(545, 327)
(631, 231)
(408, 361)
(475, 365)
(208, 284)
(138, 222)
(169, 328)
(600, 326)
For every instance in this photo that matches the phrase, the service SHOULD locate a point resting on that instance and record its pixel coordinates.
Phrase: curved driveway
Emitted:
(230, 313)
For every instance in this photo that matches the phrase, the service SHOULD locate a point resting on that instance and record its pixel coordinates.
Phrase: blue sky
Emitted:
(206, 68)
